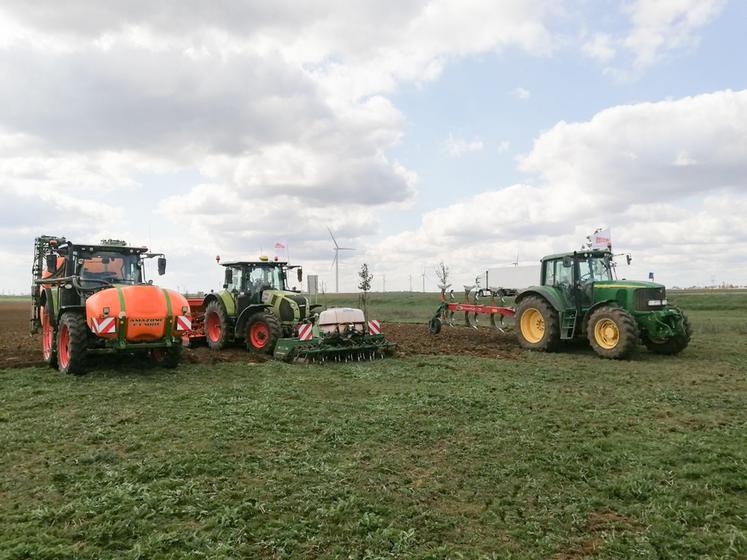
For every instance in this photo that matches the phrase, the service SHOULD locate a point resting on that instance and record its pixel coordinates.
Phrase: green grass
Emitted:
(560, 455)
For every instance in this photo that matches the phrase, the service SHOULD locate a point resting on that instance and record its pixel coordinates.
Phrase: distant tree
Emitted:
(442, 273)
(365, 285)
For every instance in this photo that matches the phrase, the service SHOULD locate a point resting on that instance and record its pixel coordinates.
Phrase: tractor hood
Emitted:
(144, 310)
(626, 284)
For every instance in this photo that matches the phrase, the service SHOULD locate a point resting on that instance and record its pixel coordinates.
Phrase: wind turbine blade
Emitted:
(333, 261)
(346, 249)
(333, 238)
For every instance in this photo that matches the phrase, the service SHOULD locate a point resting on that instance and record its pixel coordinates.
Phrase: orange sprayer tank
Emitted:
(145, 310)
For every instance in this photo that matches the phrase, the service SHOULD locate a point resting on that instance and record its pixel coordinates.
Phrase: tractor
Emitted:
(255, 306)
(93, 297)
(578, 297)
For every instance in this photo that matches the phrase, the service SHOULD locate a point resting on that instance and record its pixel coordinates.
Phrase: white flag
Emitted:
(602, 239)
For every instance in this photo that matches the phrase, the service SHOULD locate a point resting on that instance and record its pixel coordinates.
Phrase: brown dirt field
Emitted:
(19, 349)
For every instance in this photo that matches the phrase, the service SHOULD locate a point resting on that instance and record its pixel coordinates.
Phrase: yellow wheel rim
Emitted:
(606, 334)
(532, 325)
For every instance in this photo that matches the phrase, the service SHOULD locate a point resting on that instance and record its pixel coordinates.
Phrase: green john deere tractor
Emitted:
(579, 297)
(255, 306)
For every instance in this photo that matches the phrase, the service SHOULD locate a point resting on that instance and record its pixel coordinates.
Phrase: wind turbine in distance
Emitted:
(336, 260)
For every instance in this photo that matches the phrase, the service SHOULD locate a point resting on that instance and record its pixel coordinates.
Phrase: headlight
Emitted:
(656, 302)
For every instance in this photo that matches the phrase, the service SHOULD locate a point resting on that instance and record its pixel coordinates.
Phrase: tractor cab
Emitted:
(574, 275)
(251, 279)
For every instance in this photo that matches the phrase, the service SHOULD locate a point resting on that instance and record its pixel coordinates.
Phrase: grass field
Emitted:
(547, 456)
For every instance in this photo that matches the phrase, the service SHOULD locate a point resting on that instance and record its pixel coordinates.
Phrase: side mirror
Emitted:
(629, 259)
(567, 262)
(300, 274)
(161, 266)
(229, 277)
(51, 263)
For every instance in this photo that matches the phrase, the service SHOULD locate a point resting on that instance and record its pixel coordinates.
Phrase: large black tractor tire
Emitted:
(216, 326)
(72, 343)
(671, 346)
(537, 325)
(49, 346)
(262, 332)
(168, 358)
(612, 333)
(434, 325)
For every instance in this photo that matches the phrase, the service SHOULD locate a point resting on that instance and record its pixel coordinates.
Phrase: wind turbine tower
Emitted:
(336, 260)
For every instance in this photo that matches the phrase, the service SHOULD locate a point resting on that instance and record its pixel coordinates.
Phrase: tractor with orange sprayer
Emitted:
(93, 297)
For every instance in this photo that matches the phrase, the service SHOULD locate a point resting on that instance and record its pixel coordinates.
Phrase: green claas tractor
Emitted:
(579, 297)
(255, 306)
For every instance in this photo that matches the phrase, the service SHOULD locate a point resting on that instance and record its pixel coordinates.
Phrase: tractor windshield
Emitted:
(111, 267)
(594, 269)
(267, 278)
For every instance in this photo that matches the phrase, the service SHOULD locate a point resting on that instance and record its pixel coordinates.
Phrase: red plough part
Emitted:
(494, 309)
(196, 335)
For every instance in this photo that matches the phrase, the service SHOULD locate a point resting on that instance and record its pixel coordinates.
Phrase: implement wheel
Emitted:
(538, 327)
(434, 325)
(674, 345)
(49, 352)
(167, 358)
(72, 343)
(216, 325)
(262, 333)
(612, 333)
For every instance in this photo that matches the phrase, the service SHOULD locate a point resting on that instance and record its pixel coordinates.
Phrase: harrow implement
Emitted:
(340, 335)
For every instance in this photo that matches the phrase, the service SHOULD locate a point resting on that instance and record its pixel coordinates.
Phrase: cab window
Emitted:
(235, 285)
(556, 273)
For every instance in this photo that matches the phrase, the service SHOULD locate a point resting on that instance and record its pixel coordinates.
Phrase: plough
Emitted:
(495, 308)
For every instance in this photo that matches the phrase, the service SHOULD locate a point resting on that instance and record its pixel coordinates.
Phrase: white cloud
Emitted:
(623, 168)
(457, 147)
(600, 47)
(520, 93)
(657, 28)
(664, 25)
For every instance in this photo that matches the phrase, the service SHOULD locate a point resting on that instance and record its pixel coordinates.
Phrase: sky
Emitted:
(458, 131)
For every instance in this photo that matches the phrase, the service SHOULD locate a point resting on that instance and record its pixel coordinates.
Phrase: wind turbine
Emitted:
(336, 260)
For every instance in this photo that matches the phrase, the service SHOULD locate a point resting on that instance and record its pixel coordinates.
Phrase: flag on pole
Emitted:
(602, 239)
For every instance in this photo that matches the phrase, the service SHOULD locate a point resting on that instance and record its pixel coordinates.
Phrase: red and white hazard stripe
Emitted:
(183, 323)
(305, 331)
(374, 327)
(107, 325)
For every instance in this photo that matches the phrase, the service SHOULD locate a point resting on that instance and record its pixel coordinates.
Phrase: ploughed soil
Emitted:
(18, 348)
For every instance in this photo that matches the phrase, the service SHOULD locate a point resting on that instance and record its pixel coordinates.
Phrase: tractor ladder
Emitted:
(568, 324)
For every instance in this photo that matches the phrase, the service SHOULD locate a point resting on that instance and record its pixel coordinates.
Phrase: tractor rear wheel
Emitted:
(674, 345)
(216, 325)
(49, 352)
(262, 332)
(612, 333)
(167, 358)
(72, 343)
(537, 325)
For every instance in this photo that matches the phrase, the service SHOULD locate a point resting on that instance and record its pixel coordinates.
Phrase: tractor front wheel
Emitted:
(72, 343)
(216, 325)
(538, 327)
(673, 345)
(167, 358)
(612, 333)
(262, 332)
(49, 352)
